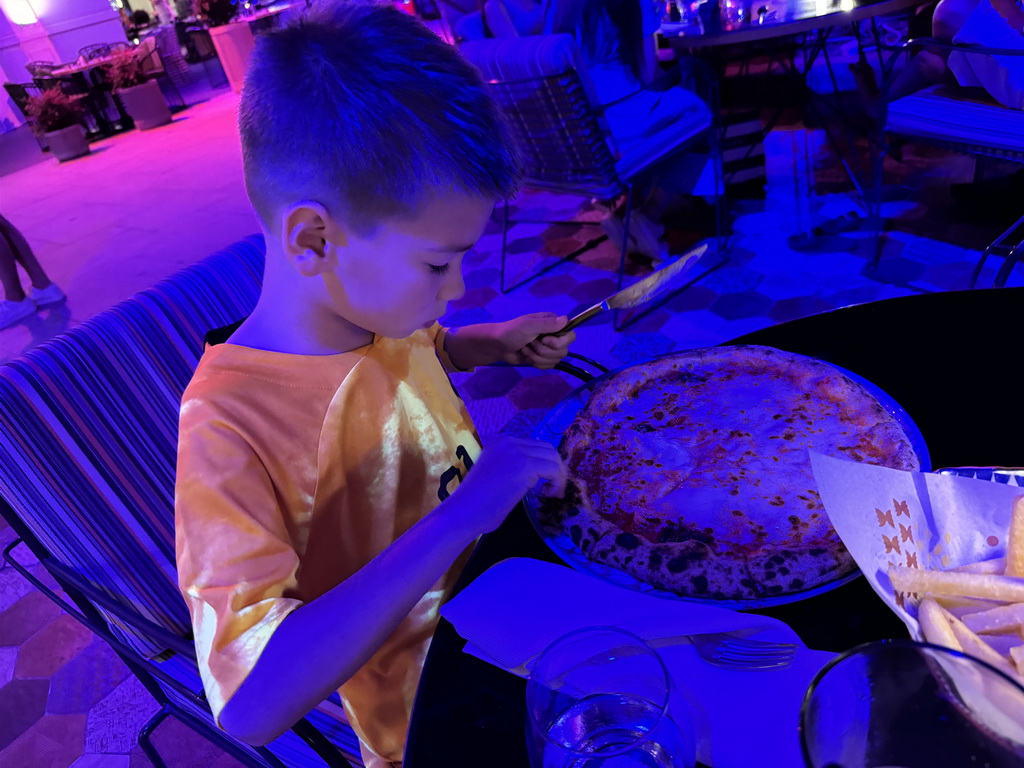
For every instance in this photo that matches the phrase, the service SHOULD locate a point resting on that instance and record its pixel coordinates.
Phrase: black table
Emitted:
(950, 359)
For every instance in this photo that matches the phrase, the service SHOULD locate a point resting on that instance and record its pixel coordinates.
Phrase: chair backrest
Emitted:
(88, 434)
(149, 57)
(550, 104)
(40, 68)
(20, 93)
(95, 51)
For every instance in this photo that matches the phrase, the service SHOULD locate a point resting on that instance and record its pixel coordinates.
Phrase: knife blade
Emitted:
(640, 292)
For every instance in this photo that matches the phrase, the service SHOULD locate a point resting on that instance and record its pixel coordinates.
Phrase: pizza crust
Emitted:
(692, 472)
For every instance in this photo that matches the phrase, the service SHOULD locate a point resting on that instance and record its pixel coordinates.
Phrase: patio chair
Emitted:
(204, 51)
(567, 148)
(169, 48)
(19, 93)
(153, 65)
(965, 120)
(88, 432)
(94, 51)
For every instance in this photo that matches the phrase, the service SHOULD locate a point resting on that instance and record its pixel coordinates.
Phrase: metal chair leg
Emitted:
(977, 267)
(144, 734)
(1013, 255)
(1012, 259)
(181, 99)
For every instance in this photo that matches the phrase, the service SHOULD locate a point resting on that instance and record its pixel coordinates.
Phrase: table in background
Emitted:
(950, 359)
(79, 74)
(787, 40)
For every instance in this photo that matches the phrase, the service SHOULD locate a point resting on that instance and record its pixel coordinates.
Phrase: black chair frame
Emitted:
(596, 176)
(81, 603)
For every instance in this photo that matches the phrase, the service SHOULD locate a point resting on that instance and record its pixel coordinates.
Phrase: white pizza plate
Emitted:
(561, 416)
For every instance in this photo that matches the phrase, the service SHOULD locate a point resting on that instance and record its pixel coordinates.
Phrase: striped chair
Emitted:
(550, 102)
(88, 434)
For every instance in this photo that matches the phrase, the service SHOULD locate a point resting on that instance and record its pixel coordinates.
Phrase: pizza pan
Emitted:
(557, 420)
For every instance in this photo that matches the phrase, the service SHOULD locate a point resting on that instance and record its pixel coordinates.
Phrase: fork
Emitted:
(727, 649)
(730, 650)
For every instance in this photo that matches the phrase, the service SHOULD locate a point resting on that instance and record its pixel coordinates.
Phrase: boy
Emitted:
(321, 510)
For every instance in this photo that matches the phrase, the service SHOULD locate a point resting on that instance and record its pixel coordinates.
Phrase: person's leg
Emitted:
(925, 68)
(22, 252)
(929, 67)
(9, 272)
(16, 305)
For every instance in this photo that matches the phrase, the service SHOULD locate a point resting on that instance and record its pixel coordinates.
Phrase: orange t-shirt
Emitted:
(294, 471)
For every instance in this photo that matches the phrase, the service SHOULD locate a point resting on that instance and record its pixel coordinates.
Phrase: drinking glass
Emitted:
(902, 704)
(601, 697)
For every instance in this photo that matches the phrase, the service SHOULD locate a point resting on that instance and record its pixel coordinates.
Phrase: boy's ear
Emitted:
(310, 238)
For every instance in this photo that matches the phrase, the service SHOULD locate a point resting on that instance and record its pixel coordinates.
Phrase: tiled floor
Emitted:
(144, 204)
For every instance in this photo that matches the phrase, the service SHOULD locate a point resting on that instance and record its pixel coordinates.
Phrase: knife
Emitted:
(640, 292)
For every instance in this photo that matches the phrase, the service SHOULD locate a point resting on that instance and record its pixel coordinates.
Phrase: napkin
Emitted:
(915, 519)
(741, 718)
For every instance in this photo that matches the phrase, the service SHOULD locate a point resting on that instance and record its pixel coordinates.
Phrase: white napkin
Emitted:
(741, 718)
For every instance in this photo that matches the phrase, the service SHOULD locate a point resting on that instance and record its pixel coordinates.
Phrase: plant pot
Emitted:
(234, 43)
(146, 105)
(67, 143)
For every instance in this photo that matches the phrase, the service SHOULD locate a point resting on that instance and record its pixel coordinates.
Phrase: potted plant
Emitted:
(55, 116)
(234, 42)
(142, 98)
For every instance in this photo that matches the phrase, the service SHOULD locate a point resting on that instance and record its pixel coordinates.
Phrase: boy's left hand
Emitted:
(519, 344)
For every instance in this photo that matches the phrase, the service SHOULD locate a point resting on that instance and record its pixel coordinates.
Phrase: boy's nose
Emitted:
(454, 287)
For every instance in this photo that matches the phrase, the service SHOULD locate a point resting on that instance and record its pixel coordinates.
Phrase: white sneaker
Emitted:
(51, 294)
(13, 311)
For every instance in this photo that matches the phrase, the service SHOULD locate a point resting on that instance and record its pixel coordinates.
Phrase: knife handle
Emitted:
(577, 321)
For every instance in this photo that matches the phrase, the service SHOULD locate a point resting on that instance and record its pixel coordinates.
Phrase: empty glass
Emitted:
(601, 697)
(901, 704)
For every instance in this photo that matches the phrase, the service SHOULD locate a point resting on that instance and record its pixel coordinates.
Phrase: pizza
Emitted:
(692, 472)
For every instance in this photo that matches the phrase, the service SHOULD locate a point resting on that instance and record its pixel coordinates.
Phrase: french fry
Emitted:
(1006, 618)
(966, 604)
(1017, 655)
(934, 623)
(966, 610)
(1007, 588)
(973, 645)
(1002, 644)
(995, 565)
(1015, 540)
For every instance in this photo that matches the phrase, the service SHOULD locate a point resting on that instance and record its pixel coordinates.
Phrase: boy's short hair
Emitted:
(366, 111)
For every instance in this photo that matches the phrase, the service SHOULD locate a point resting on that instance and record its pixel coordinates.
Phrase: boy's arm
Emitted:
(318, 646)
(514, 342)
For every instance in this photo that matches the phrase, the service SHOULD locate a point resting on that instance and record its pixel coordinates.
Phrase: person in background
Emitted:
(617, 38)
(162, 11)
(14, 250)
(330, 480)
(990, 23)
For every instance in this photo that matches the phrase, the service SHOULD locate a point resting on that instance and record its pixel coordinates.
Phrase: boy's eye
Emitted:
(439, 269)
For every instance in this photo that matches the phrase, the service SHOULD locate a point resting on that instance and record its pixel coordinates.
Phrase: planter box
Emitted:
(234, 43)
(67, 143)
(146, 105)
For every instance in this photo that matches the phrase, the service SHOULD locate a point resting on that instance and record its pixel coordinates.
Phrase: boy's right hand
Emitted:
(506, 469)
